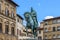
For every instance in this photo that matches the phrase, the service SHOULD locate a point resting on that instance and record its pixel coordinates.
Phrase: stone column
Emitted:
(3, 26)
(15, 30)
(9, 28)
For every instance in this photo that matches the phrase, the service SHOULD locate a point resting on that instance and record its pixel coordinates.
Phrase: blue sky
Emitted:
(43, 7)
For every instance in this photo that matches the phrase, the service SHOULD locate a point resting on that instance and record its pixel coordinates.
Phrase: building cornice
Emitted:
(19, 16)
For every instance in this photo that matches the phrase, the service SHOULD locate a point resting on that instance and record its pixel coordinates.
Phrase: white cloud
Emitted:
(48, 17)
(38, 24)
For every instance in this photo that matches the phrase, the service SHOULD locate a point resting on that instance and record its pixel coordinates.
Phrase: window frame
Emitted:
(12, 14)
(46, 23)
(58, 28)
(6, 29)
(46, 30)
(6, 12)
(39, 31)
(54, 29)
(54, 36)
(54, 21)
(58, 36)
(12, 31)
(39, 38)
(46, 37)
(58, 21)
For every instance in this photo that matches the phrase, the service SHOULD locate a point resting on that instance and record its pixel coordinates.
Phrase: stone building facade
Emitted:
(20, 28)
(51, 29)
(40, 31)
(7, 20)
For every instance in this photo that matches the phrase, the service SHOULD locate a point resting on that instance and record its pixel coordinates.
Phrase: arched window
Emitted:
(6, 27)
(12, 14)
(6, 12)
(12, 30)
